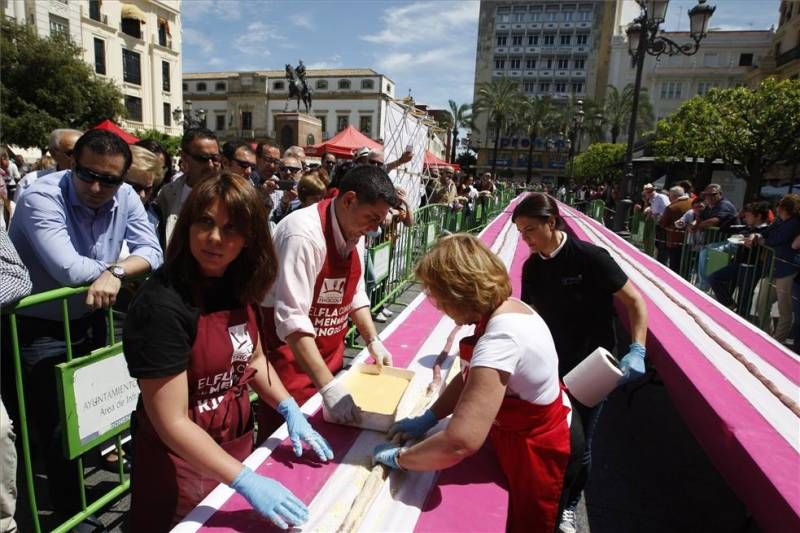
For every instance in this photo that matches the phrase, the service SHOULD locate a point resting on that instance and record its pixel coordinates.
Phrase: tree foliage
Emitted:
(172, 143)
(749, 129)
(600, 162)
(461, 116)
(499, 99)
(534, 117)
(617, 111)
(45, 85)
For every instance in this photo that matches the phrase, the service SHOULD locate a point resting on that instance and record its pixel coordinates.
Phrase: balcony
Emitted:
(583, 24)
(533, 49)
(535, 26)
(517, 49)
(515, 73)
(518, 26)
(501, 50)
(562, 73)
(502, 26)
(546, 73)
(786, 57)
(578, 73)
(551, 25)
(566, 25)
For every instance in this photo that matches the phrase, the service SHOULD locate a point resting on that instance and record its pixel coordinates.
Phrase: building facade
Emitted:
(558, 49)
(244, 104)
(135, 43)
(725, 60)
(783, 61)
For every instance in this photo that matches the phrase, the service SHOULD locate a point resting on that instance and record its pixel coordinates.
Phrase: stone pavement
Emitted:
(649, 474)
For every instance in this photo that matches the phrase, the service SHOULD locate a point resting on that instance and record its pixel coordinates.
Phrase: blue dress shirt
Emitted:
(65, 243)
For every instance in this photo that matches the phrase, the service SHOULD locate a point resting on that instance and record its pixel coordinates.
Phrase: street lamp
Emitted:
(644, 39)
(575, 137)
(189, 118)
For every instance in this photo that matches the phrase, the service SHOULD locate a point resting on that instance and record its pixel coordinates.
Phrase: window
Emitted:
(544, 87)
(580, 64)
(342, 121)
(499, 64)
(201, 86)
(549, 40)
(502, 40)
(577, 87)
(530, 63)
(536, 14)
(322, 84)
(528, 86)
(533, 40)
(365, 125)
(185, 87)
(586, 15)
(324, 120)
(710, 60)
(164, 38)
(548, 63)
(59, 26)
(167, 114)
(388, 88)
(367, 84)
(565, 40)
(344, 84)
(99, 56)
(132, 27)
(94, 10)
(516, 40)
(165, 82)
(220, 123)
(582, 39)
(131, 68)
(515, 61)
(563, 63)
(704, 86)
(278, 86)
(220, 86)
(133, 105)
(671, 90)
(566, 16)
(247, 120)
(561, 87)
(745, 60)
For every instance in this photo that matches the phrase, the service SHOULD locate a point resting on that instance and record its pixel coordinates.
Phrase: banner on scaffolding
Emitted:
(405, 126)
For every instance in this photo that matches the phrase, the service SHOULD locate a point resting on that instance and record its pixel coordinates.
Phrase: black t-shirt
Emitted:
(573, 292)
(161, 324)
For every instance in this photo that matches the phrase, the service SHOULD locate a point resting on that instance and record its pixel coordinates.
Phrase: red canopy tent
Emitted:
(113, 128)
(433, 161)
(343, 144)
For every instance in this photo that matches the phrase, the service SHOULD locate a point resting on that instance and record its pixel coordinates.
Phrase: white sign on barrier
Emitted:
(380, 262)
(105, 396)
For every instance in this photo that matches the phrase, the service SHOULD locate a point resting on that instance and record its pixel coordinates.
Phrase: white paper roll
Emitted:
(593, 378)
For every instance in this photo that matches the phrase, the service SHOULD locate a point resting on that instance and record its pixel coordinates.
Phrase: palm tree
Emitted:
(499, 99)
(618, 110)
(462, 118)
(595, 123)
(536, 116)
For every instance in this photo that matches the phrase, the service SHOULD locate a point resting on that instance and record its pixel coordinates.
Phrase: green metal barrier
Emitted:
(87, 508)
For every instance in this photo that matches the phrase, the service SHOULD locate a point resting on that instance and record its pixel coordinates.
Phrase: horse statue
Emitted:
(298, 88)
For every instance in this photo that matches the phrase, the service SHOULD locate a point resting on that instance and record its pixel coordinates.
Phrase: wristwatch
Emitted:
(117, 271)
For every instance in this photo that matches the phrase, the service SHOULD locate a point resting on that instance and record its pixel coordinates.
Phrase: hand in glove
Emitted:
(379, 352)
(632, 365)
(301, 431)
(387, 454)
(412, 428)
(271, 499)
(340, 403)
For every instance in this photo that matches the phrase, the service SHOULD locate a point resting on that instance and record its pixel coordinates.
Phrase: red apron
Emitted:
(164, 487)
(329, 313)
(533, 447)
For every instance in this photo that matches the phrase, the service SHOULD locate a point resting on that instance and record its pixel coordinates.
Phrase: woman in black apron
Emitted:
(191, 338)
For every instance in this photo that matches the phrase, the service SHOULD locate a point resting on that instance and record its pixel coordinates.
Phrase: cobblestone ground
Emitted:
(649, 475)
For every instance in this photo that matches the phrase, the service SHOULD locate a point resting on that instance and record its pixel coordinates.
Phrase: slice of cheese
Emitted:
(376, 393)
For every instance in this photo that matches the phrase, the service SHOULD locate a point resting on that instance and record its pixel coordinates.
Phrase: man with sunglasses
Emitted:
(200, 160)
(68, 229)
(290, 170)
(238, 158)
(60, 146)
(320, 286)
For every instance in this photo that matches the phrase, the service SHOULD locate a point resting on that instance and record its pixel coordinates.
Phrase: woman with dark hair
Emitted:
(572, 284)
(191, 338)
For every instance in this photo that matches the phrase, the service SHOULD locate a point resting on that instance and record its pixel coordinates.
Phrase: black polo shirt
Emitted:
(573, 292)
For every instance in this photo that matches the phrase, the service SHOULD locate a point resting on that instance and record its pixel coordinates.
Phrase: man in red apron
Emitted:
(320, 285)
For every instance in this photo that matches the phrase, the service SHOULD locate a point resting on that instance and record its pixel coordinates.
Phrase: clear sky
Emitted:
(425, 46)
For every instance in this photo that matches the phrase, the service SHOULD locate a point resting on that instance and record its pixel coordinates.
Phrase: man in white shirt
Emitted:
(658, 201)
(62, 142)
(200, 159)
(320, 285)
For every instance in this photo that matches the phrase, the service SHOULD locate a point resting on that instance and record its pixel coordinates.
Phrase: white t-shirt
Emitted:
(301, 250)
(658, 204)
(521, 345)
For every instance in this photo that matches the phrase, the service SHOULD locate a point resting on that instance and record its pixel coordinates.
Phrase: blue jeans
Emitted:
(589, 417)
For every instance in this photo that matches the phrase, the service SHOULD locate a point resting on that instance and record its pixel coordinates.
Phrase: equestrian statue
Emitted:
(298, 88)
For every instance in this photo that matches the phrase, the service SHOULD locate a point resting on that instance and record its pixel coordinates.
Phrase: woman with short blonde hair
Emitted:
(312, 187)
(145, 173)
(508, 391)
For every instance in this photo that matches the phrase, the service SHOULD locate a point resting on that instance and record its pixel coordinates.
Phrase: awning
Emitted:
(130, 11)
(119, 132)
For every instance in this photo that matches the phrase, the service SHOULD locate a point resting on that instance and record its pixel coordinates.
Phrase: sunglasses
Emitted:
(376, 163)
(89, 176)
(140, 188)
(269, 159)
(205, 158)
(244, 164)
(329, 163)
(292, 170)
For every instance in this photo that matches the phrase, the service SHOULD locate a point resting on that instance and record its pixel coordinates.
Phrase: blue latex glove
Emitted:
(271, 499)
(387, 453)
(632, 365)
(301, 431)
(412, 428)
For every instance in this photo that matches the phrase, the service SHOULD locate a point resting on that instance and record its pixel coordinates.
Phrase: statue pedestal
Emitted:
(297, 129)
